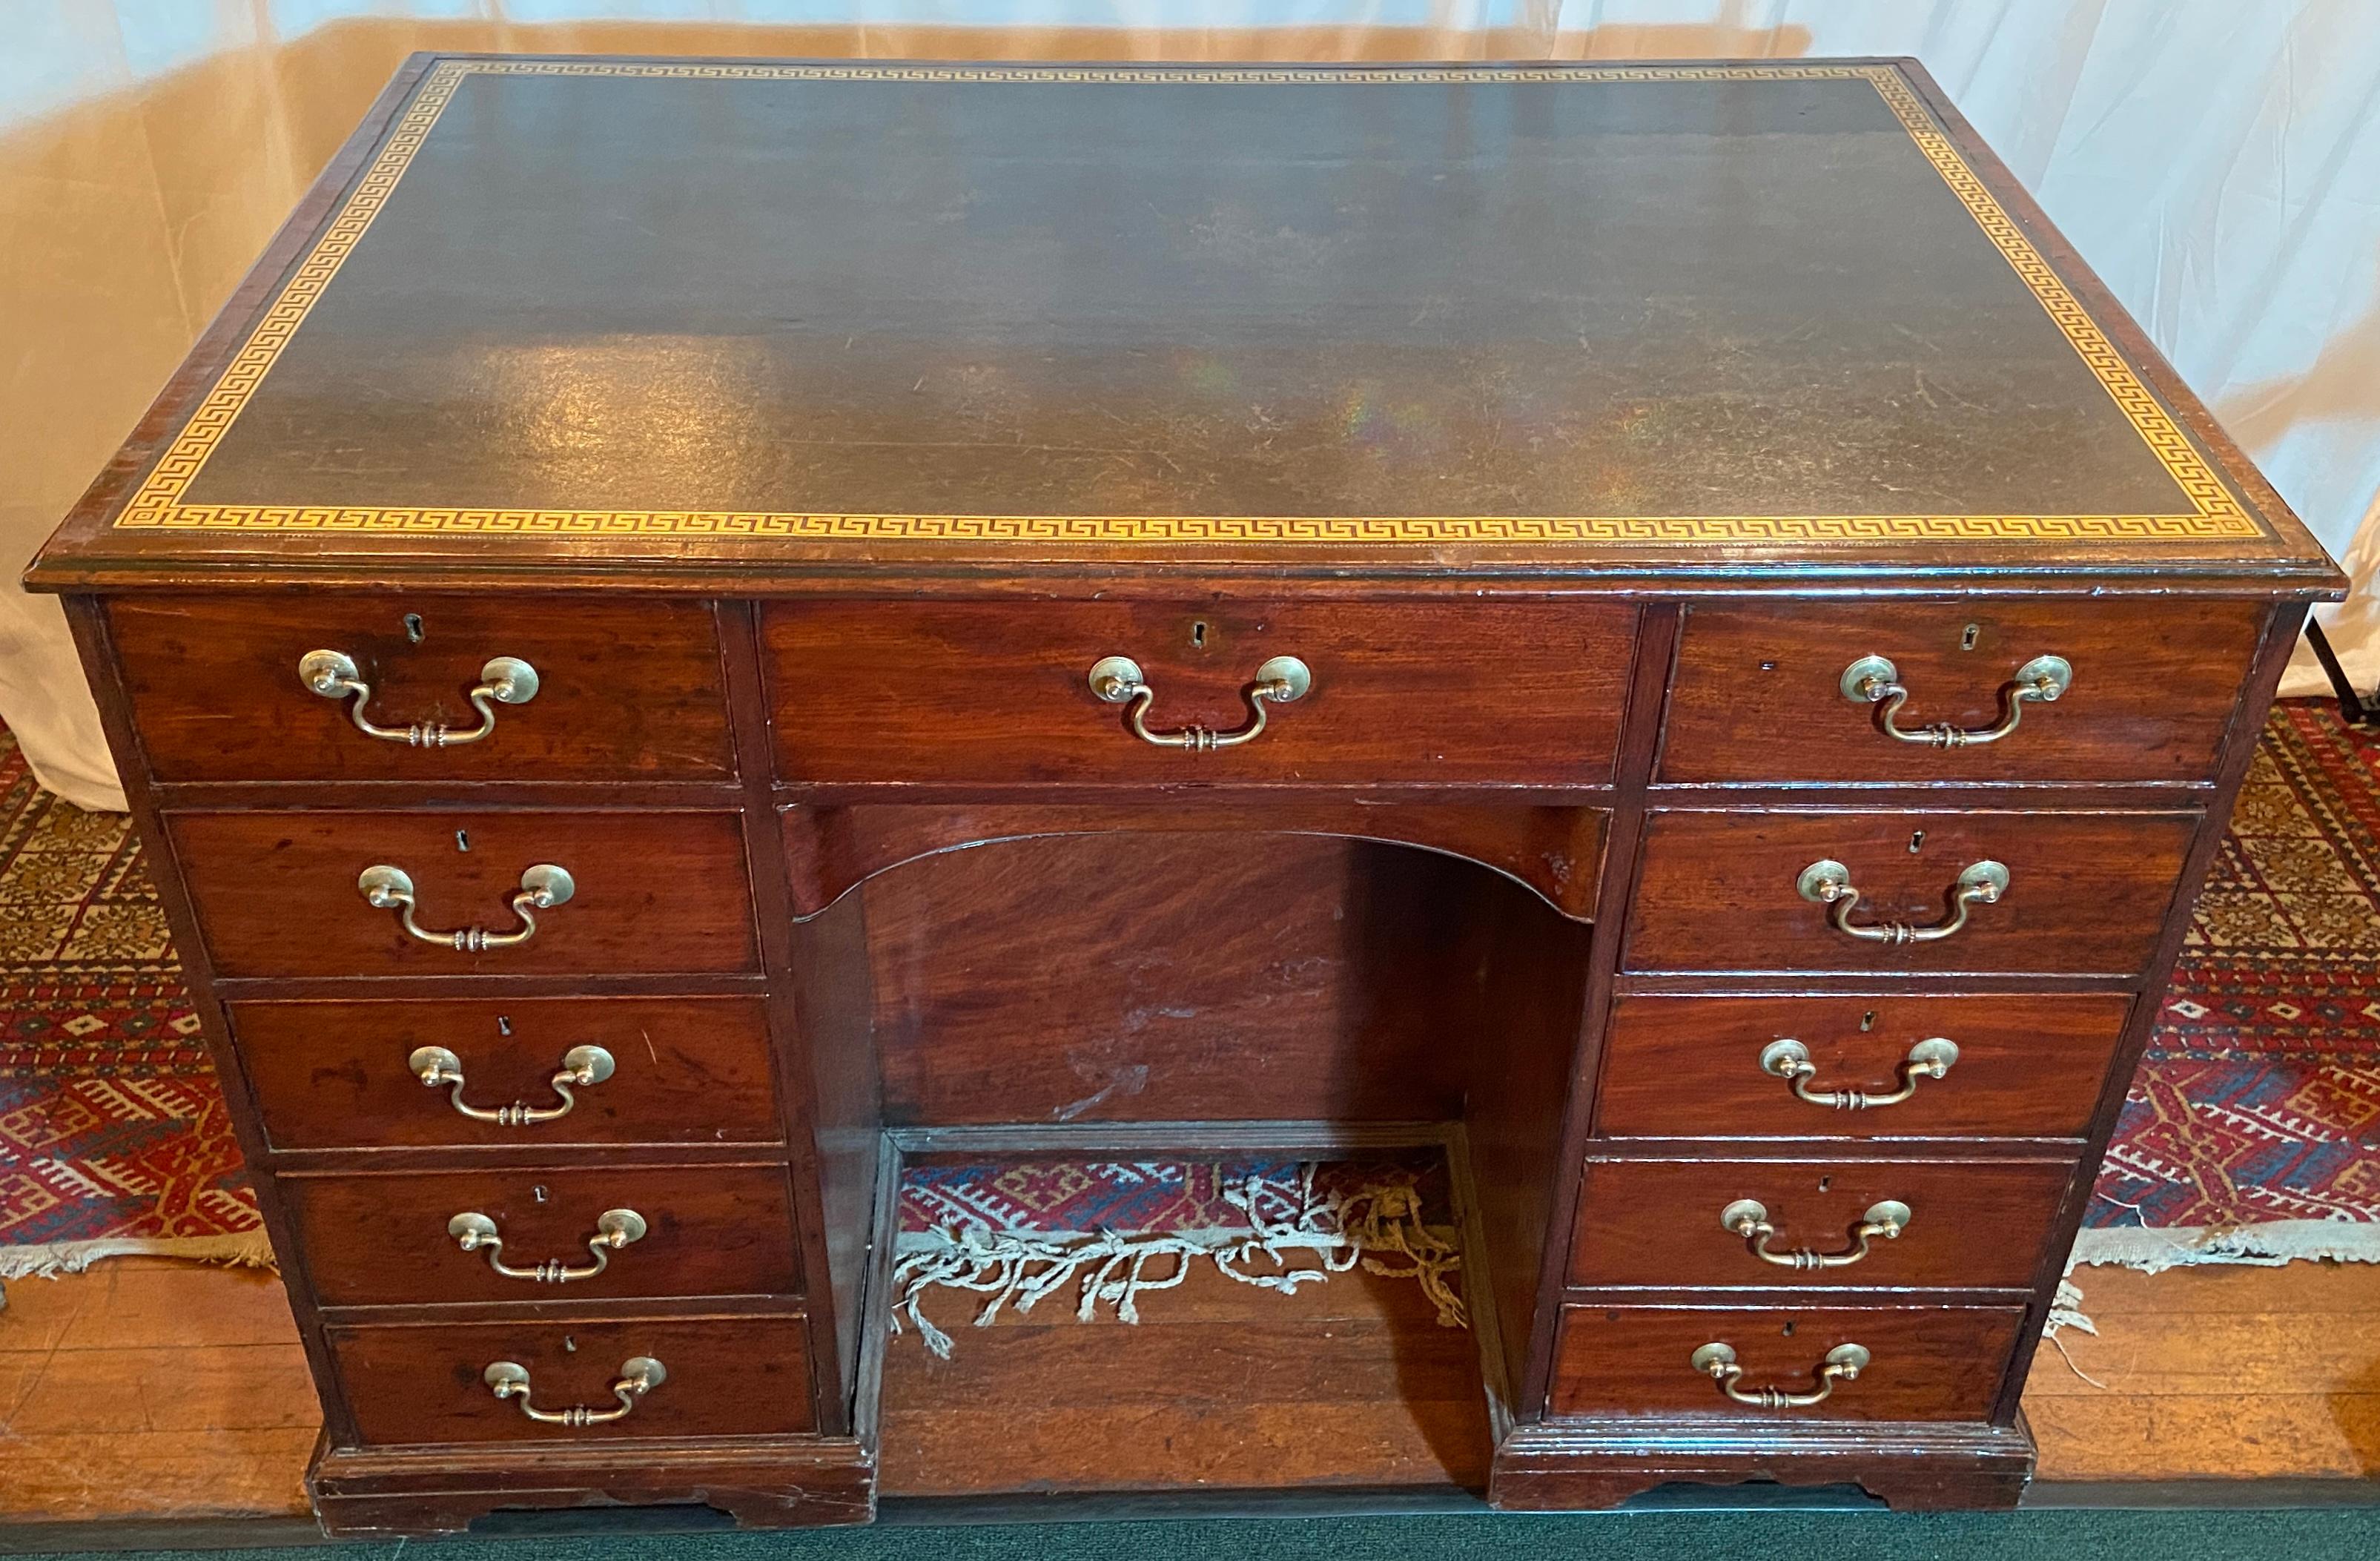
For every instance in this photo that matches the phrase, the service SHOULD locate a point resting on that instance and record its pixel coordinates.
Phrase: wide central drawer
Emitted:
(1976, 1224)
(392, 1239)
(721, 1376)
(2081, 894)
(282, 893)
(1473, 692)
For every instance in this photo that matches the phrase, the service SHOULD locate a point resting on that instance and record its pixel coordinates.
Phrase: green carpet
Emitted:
(2298, 1535)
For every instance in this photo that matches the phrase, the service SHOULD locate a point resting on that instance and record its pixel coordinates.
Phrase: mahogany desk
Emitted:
(1657, 613)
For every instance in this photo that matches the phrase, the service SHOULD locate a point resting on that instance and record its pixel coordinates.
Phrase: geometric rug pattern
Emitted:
(113, 1132)
(2251, 1130)
(2250, 1133)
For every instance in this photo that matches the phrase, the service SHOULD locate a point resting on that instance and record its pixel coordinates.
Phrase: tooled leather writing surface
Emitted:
(1595, 296)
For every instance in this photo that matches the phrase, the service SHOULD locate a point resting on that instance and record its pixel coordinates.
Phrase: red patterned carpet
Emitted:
(2251, 1134)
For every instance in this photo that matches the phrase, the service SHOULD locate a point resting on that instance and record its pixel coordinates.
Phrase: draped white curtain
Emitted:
(2218, 162)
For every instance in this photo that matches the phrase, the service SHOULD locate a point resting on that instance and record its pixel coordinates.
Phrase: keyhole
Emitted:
(1198, 636)
(538, 1194)
(413, 630)
(503, 1025)
(1825, 1182)
(1967, 639)
(1917, 840)
(1786, 1331)
(569, 1344)
(1868, 1021)
(463, 840)
(1769, 667)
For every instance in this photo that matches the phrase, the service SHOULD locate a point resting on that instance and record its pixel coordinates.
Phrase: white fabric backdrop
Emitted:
(2218, 162)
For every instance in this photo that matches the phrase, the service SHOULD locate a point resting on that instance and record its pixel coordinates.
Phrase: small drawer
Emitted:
(1720, 1068)
(721, 1376)
(2085, 893)
(1760, 693)
(1923, 1363)
(991, 692)
(623, 690)
(341, 1075)
(279, 893)
(1977, 1225)
(393, 1239)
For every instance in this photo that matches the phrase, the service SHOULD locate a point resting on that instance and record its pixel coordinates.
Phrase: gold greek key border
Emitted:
(157, 503)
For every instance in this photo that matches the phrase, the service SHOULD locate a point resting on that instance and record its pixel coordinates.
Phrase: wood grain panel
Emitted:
(1977, 1225)
(380, 1240)
(728, 1376)
(1555, 851)
(1690, 1066)
(332, 1075)
(626, 689)
(1167, 978)
(1756, 695)
(1930, 1363)
(657, 892)
(1506, 693)
(2088, 893)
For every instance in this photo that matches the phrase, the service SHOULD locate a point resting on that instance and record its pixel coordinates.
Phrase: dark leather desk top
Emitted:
(572, 314)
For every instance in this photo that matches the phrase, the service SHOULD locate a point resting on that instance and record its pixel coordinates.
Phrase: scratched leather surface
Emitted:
(1673, 298)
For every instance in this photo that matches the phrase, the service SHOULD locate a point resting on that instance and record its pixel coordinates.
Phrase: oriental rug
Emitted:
(2252, 1133)
(1097, 1235)
(113, 1133)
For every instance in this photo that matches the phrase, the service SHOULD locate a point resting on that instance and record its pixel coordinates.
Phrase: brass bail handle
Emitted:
(438, 1068)
(542, 887)
(1118, 680)
(1790, 1060)
(1873, 680)
(1716, 1360)
(1829, 883)
(615, 1228)
(1749, 1218)
(639, 1374)
(334, 676)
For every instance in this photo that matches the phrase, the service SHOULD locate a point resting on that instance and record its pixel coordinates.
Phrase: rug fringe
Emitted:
(2267, 1244)
(245, 1249)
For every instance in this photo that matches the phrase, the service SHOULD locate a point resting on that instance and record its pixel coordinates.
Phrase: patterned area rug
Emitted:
(2252, 1132)
(1096, 1235)
(113, 1133)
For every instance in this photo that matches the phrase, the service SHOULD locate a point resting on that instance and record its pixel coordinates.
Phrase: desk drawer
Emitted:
(341, 1075)
(2086, 893)
(1001, 691)
(624, 690)
(1758, 691)
(1924, 1363)
(1977, 1225)
(384, 1239)
(722, 1376)
(653, 892)
(2025, 1066)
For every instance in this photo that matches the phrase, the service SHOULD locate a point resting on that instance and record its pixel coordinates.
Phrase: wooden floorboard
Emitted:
(147, 1389)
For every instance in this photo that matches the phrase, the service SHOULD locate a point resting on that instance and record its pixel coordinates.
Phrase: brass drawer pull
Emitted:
(1790, 1060)
(639, 1375)
(1749, 1219)
(1829, 883)
(334, 676)
(541, 888)
(614, 1229)
(1875, 680)
(1117, 679)
(441, 1069)
(1718, 1361)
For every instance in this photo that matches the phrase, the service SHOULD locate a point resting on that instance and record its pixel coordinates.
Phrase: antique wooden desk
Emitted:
(1658, 614)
